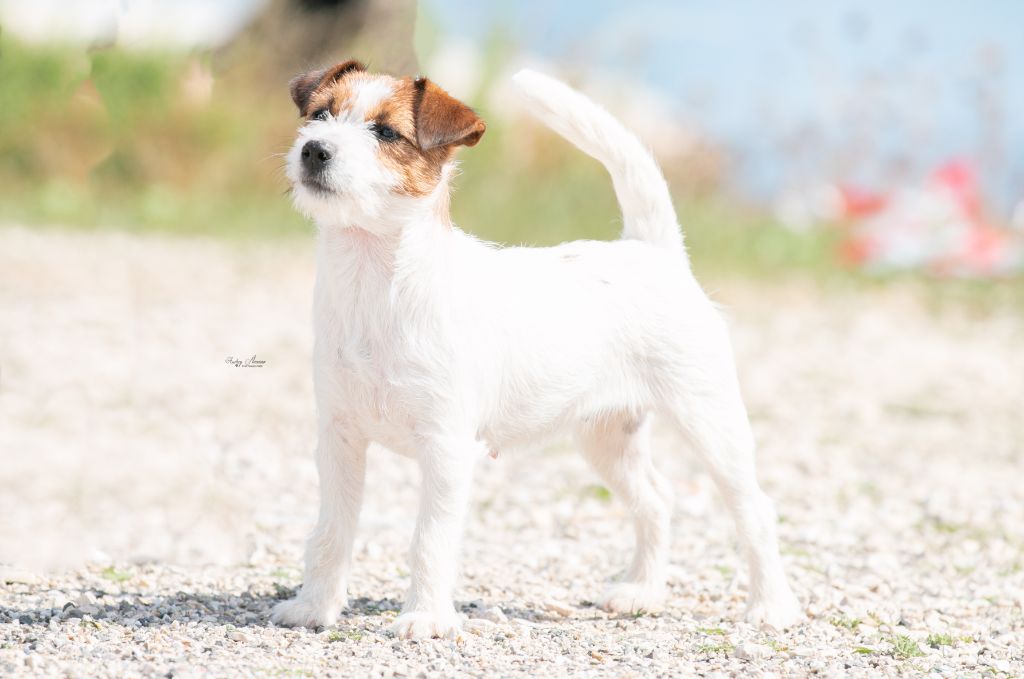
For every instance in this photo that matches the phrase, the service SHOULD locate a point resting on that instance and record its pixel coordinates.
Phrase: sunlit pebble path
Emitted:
(890, 436)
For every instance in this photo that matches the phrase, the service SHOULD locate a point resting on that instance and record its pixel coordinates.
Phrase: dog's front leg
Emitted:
(341, 463)
(447, 475)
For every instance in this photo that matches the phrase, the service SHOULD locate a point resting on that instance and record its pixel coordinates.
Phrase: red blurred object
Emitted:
(959, 178)
(858, 203)
(940, 228)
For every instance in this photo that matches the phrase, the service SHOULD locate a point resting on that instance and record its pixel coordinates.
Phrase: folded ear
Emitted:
(443, 120)
(303, 86)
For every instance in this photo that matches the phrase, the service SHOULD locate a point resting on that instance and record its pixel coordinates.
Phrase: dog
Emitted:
(446, 349)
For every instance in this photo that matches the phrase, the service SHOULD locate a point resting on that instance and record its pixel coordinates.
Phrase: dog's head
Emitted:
(372, 144)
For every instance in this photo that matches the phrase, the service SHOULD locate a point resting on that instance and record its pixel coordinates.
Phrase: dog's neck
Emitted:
(408, 243)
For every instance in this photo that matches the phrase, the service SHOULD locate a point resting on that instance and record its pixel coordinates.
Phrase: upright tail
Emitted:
(647, 211)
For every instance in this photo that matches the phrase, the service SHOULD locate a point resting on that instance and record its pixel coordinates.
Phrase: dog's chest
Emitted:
(361, 354)
(368, 352)
(354, 345)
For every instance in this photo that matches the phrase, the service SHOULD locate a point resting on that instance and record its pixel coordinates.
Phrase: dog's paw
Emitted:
(427, 625)
(299, 612)
(778, 613)
(633, 598)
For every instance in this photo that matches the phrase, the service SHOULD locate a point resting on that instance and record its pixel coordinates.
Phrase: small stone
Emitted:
(238, 636)
(494, 614)
(25, 619)
(478, 626)
(558, 607)
(523, 628)
(1000, 665)
(748, 650)
(13, 575)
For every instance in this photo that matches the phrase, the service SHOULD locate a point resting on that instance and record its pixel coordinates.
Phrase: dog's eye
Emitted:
(321, 114)
(386, 133)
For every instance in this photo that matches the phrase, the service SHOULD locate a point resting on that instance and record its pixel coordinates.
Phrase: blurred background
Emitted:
(834, 139)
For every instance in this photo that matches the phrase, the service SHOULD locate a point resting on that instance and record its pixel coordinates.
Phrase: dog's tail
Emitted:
(647, 211)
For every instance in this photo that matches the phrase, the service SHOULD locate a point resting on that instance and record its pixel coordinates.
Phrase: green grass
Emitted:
(114, 575)
(716, 648)
(846, 622)
(599, 493)
(136, 155)
(154, 209)
(283, 592)
(937, 640)
(716, 631)
(904, 647)
(105, 139)
(348, 635)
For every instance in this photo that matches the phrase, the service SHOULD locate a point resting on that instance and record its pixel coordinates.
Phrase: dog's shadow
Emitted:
(247, 609)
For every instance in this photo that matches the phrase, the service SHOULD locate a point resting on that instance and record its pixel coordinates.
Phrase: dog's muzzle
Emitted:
(316, 156)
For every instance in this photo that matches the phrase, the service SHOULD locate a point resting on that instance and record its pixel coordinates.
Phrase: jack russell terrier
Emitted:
(445, 348)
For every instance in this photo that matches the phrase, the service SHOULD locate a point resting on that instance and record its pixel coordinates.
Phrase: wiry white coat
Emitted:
(445, 348)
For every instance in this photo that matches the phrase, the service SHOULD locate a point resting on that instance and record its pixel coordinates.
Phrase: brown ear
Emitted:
(443, 120)
(303, 86)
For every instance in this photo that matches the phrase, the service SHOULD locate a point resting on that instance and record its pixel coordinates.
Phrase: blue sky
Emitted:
(799, 90)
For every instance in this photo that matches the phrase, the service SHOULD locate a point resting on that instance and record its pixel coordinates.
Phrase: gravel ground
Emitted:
(154, 498)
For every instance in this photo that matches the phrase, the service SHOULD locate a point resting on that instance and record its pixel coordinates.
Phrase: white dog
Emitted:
(445, 349)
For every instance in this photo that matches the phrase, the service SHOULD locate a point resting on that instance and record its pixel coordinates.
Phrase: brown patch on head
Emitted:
(443, 120)
(303, 87)
(430, 124)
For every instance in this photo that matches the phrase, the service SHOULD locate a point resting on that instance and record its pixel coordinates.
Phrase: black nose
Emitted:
(315, 156)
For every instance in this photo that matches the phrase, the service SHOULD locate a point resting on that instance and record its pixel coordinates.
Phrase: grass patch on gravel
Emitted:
(718, 631)
(846, 622)
(937, 640)
(114, 575)
(281, 592)
(904, 647)
(599, 493)
(713, 649)
(348, 635)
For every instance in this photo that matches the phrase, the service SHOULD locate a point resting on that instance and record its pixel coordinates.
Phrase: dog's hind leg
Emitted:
(712, 416)
(618, 448)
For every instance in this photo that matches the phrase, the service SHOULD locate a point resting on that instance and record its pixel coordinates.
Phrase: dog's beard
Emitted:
(318, 186)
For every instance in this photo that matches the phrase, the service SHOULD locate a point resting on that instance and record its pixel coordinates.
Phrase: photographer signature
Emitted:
(251, 362)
